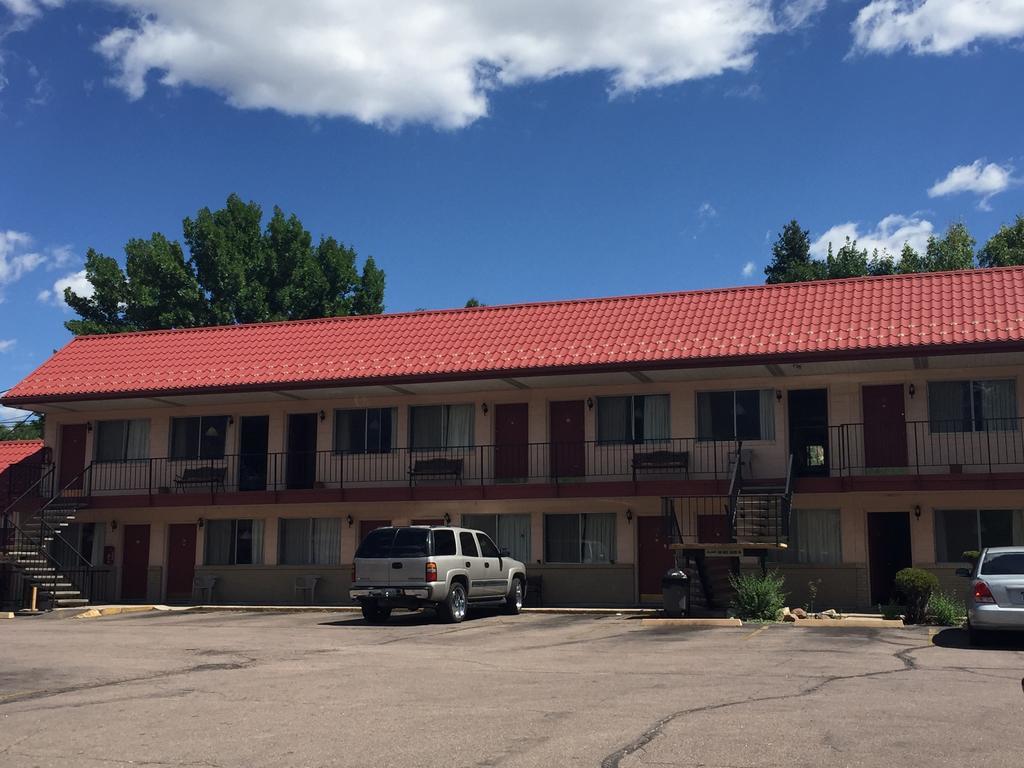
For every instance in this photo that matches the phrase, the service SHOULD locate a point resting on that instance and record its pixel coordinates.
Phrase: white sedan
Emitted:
(995, 599)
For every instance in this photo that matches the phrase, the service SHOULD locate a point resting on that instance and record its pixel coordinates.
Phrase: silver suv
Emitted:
(445, 568)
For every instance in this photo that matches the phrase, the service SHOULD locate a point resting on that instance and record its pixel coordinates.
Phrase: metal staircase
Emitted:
(37, 551)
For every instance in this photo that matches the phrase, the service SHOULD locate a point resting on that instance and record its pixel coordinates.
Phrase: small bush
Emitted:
(971, 556)
(914, 586)
(946, 609)
(892, 611)
(758, 597)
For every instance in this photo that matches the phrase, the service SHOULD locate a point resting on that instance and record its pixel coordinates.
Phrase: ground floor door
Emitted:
(808, 431)
(567, 434)
(181, 561)
(135, 562)
(654, 557)
(885, 426)
(888, 552)
(301, 459)
(252, 450)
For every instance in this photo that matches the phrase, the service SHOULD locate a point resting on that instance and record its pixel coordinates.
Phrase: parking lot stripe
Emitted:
(757, 631)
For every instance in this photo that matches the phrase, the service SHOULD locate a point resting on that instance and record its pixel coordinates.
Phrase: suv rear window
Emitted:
(1003, 564)
(444, 543)
(411, 542)
(377, 543)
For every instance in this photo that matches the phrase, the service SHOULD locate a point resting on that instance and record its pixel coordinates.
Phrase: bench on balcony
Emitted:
(196, 476)
(436, 469)
(661, 462)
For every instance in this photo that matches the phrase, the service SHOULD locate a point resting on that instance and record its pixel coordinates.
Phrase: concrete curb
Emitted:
(114, 610)
(852, 623)
(691, 623)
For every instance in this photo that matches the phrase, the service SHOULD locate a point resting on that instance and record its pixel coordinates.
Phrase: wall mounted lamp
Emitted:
(88, 426)
(231, 420)
(447, 519)
(113, 525)
(200, 523)
(778, 395)
(323, 416)
(590, 403)
(349, 520)
(917, 511)
(483, 407)
(629, 515)
(912, 390)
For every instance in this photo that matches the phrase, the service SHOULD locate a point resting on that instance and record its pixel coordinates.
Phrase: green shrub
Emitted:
(892, 611)
(914, 586)
(946, 609)
(971, 556)
(758, 597)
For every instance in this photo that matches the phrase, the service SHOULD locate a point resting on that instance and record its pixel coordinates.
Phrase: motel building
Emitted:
(836, 431)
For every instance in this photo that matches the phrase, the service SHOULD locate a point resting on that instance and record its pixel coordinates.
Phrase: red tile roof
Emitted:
(904, 314)
(14, 451)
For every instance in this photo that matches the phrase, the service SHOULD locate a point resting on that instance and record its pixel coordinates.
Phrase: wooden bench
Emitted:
(211, 476)
(436, 468)
(661, 461)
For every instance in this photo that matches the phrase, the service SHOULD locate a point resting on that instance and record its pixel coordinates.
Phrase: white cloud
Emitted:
(431, 61)
(935, 26)
(749, 268)
(890, 235)
(6, 345)
(76, 281)
(24, 11)
(706, 211)
(977, 178)
(798, 12)
(18, 257)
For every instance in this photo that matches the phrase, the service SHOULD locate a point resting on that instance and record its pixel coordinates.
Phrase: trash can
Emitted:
(675, 593)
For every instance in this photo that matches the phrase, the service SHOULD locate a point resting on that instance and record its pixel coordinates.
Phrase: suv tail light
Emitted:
(431, 574)
(982, 594)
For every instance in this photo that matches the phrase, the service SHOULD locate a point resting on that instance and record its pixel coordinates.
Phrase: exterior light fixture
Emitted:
(483, 407)
(590, 403)
(917, 511)
(447, 519)
(912, 390)
(211, 432)
(200, 523)
(629, 515)
(349, 520)
(113, 525)
(778, 395)
(88, 426)
(323, 416)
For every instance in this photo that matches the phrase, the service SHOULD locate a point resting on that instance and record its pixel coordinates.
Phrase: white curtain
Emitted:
(767, 410)
(99, 540)
(257, 542)
(656, 426)
(598, 538)
(327, 540)
(459, 426)
(514, 535)
(138, 439)
(816, 535)
(998, 404)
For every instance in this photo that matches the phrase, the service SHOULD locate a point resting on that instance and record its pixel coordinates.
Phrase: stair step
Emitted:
(70, 602)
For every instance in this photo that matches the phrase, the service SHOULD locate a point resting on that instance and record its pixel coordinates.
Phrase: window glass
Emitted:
(965, 406)
(309, 541)
(1002, 564)
(562, 538)
(411, 542)
(468, 544)
(199, 437)
(486, 523)
(234, 542)
(122, 440)
(184, 438)
(487, 548)
(586, 538)
(814, 538)
(377, 543)
(444, 542)
(511, 532)
(363, 430)
(632, 418)
(213, 437)
(997, 527)
(960, 530)
(441, 426)
(747, 414)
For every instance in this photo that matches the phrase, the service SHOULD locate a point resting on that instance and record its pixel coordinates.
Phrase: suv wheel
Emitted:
(374, 614)
(514, 599)
(454, 608)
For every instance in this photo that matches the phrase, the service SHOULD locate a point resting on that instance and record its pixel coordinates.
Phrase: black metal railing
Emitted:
(674, 458)
(927, 447)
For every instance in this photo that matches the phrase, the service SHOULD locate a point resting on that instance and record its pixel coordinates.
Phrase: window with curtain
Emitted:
(441, 426)
(122, 440)
(364, 430)
(511, 532)
(632, 419)
(815, 538)
(582, 538)
(972, 406)
(960, 530)
(199, 437)
(234, 542)
(742, 414)
(309, 541)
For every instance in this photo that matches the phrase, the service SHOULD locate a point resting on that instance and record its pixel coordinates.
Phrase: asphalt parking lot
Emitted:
(326, 689)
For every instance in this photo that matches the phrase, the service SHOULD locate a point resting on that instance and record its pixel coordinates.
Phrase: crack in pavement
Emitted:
(615, 758)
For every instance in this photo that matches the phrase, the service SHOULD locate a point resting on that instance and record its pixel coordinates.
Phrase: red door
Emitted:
(181, 561)
(72, 455)
(568, 453)
(654, 557)
(885, 426)
(135, 562)
(511, 441)
(365, 526)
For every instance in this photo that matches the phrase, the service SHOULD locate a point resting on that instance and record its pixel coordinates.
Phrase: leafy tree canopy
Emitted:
(1005, 248)
(791, 257)
(236, 271)
(24, 430)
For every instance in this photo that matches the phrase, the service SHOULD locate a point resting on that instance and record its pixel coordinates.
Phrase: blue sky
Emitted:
(508, 151)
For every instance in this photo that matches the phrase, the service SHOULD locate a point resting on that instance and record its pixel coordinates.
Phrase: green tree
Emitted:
(882, 263)
(23, 430)
(1005, 248)
(954, 250)
(848, 261)
(791, 257)
(474, 302)
(235, 271)
(910, 261)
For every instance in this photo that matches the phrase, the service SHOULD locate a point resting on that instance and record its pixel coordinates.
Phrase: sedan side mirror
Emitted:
(965, 572)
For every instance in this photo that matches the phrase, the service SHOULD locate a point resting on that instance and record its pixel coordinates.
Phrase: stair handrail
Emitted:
(787, 501)
(735, 485)
(83, 561)
(39, 547)
(10, 507)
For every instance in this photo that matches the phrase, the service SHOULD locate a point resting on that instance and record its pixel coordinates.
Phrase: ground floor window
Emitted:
(960, 530)
(582, 538)
(815, 538)
(309, 541)
(511, 532)
(234, 542)
(85, 539)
